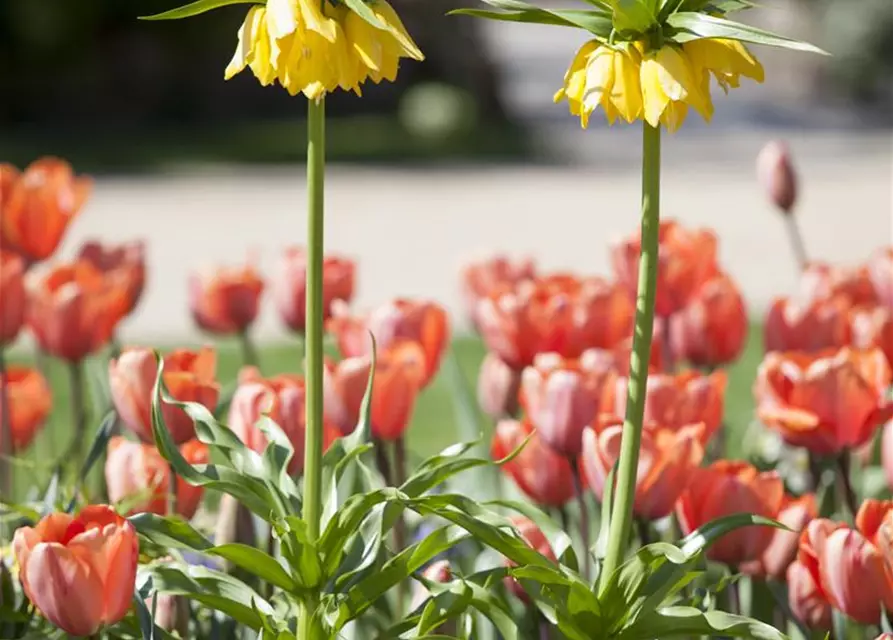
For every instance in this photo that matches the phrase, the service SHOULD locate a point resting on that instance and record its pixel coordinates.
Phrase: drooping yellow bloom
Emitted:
(669, 86)
(727, 60)
(314, 48)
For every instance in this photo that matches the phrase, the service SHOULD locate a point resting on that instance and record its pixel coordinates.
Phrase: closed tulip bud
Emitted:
(776, 175)
(726, 488)
(498, 386)
(38, 205)
(290, 287)
(817, 325)
(536, 540)
(561, 397)
(137, 475)
(712, 329)
(12, 292)
(399, 371)
(795, 514)
(74, 309)
(880, 271)
(79, 572)
(483, 277)
(30, 403)
(806, 598)
(188, 376)
(126, 261)
(873, 327)
(546, 477)
(425, 323)
(826, 402)
(225, 301)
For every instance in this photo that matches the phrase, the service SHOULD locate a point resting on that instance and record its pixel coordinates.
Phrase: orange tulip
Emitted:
(795, 514)
(820, 324)
(827, 402)
(822, 281)
(38, 205)
(880, 271)
(726, 488)
(188, 376)
(668, 460)
(79, 572)
(536, 540)
(225, 301)
(560, 313)
(483, 277)
(74, 310)
(686, 260)
(806, 598)
(498, 387)
(126, 261)
(873, 327)
(399, 370)
(423, 322)
(12, 292)
(29, 404)
(137, 475)
(711, 330)
(562, 396)
(290, 287)
(674, 401)
(545, 476)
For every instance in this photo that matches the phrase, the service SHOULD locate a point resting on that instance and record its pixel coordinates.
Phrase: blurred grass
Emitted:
(434, 424)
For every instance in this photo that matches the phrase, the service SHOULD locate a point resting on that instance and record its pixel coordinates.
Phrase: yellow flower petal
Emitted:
(364, 40)
(315, 20)
(385, 12)
(674, 115)
(282, 17)
(247, 39)
(599, 78)
(626, 94)
(674, 73)
(654, 99)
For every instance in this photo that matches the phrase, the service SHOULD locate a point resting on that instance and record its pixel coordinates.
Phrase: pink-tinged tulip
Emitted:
(817, 325)
(726, 488)
(711, 330)
(885, 636)
(126, 261)
(545, 476)
(887, 452)
(38, 205)
(399, 371)
(483, 277)
(668, 460)
(290, 286)
(795, 514)
(775, 173)
(562, 396)
(79, 572)
(12, 293)
(686, 260)
(880, 271)
(30, 403)
(498, 387)
(806, 598)
(560, 314)
(423, 322)
(873, 327)
(826, 402)
(138, 476)
(188, 375)
(822, 281)
(73, 310)
(536, 539)
(674, 401)
(225, 301)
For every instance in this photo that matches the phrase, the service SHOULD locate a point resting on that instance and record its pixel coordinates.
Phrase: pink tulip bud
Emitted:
(777, 176)
(498, 386)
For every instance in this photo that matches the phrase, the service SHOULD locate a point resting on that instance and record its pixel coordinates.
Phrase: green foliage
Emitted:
(197, 8)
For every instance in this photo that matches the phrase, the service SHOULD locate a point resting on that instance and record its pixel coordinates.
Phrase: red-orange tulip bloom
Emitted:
(399, 371)
(880, 270)
(563, 314)
(483, 277)
(188, 376)
(38, 205)
(545, 476)
(79, 572)
(668, 459)
(290, 286)
(674, 401)
(795, 514)
(820, 324)
(822, 281)
(873, 327)
(225, 301)
(74, 310)
(12, 294)
(562, 396)
(711, 330)
(726, 488)
(29, 404)
(848, 565)
(887, 452)
(423, 322)
(126, 261)
(827, 402)
(536, 539)
(498, 387)
(137, 475)
(686, 260)
(806, 597)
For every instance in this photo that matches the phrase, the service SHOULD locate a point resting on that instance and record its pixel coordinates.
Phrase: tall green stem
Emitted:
(621, 517)
(316, 158)
(6, 454)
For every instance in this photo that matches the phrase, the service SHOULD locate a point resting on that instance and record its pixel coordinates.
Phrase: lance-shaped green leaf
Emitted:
(687, 622)
(633, 15)
(301, 552)
(197, 8)
(97, 448)
(561, 543)
(686, 26)
(597, 21)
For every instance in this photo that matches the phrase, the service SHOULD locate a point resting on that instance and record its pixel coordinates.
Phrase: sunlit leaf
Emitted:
(197, 8)
(686, 622)
(688, 25)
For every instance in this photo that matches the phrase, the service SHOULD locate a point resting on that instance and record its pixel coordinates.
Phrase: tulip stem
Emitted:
(400, 525)
(798, 246)
(846, 486)
(622, 512)
(584, 514)
(312, 509)
(249, 351)
(6, 454)
(78, 413)
(171, 491)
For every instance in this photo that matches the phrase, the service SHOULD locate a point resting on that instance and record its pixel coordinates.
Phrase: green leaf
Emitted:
(600, 548)
(688, 25)
(705, 535)
(362, 9)
(146, 622)
(596, 21)
(561, 543)
(197, 8)
(97, 448)
(675, 622)
(633, 15)
(301, 552)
